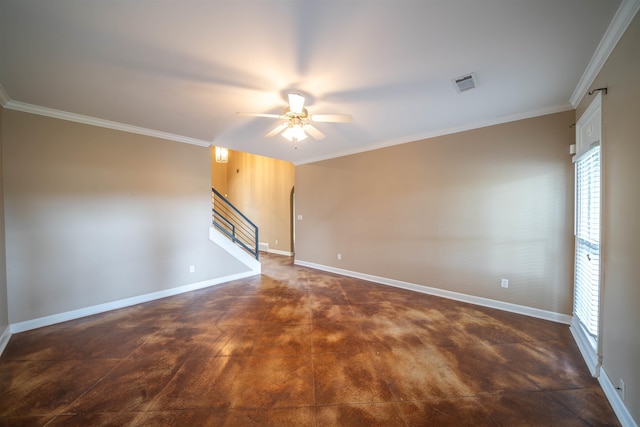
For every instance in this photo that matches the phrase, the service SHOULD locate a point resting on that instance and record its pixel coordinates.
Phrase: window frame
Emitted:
(588, 137)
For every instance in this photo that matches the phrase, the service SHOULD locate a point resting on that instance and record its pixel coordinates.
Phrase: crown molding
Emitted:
(93, 121)
(4, 96)
(507, 118)
(621, 20)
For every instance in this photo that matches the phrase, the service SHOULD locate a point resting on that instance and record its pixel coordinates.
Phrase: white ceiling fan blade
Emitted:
(335, 118)
(271, 116)
(315, 133)
(277, 130)
(296, 103)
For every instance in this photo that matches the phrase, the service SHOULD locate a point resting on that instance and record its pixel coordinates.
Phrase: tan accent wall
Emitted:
(620, 243)
(456, 212)
(96, 215)
(261, 188)
(4, 309)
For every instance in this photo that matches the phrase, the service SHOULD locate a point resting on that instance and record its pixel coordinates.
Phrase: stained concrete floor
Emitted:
(299, 347)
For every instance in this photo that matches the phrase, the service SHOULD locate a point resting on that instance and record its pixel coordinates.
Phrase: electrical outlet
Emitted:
(504, 283)
(623, 390)
(192, 269)
(339, 257)
(276, 241)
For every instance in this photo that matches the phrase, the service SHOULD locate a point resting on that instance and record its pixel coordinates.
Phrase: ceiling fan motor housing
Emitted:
(291, 114)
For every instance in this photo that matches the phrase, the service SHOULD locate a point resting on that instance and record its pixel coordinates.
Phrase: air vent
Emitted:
(464, 83)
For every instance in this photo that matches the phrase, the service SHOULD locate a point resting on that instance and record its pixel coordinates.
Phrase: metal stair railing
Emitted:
(233, 223)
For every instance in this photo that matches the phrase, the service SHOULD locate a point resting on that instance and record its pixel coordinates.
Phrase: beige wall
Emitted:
(621, 214)
(457, 212)
(95, 215)
(261, 188)
(4, 310)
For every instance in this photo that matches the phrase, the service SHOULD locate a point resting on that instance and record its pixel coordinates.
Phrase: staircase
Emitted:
(234, 224)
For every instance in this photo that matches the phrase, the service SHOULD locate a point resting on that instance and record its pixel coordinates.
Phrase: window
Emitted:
(587, 273)
(586, 300)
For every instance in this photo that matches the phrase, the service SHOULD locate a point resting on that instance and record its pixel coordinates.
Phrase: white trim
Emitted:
(441, 132)
(279, 252)
(593, 114)
(4, 96)
(93, 121)
(620, 409)
(254, 266)
(485, 302)
(126, 302)
(586, 348)
(618, 25)
(4, 338)
(223, 241)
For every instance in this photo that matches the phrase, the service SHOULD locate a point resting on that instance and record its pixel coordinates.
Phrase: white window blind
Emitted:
(587, 274)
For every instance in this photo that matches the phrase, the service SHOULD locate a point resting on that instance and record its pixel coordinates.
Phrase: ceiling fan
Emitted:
(297, 120)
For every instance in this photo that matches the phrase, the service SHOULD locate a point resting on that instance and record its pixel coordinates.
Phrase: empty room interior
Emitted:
(292, 212)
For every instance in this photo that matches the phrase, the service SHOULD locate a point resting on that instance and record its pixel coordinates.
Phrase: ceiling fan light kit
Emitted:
(297, 120)
(294, 132)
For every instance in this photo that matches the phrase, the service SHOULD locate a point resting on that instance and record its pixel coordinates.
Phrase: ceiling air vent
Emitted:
(464, 83)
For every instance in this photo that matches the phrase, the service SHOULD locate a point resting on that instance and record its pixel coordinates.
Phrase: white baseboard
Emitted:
(249, 261)
(126, 302)
(485, 302)
(586, 347)
(223, 241)
(4, 338)
(615, 400)
(278, 252)
(608, 388)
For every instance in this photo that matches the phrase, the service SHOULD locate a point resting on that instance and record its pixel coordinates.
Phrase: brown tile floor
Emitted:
(299, 347)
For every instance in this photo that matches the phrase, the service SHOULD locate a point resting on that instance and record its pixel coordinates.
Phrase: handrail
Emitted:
(233, 223)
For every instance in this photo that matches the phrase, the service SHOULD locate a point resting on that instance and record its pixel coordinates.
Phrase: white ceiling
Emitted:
(186, 67)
